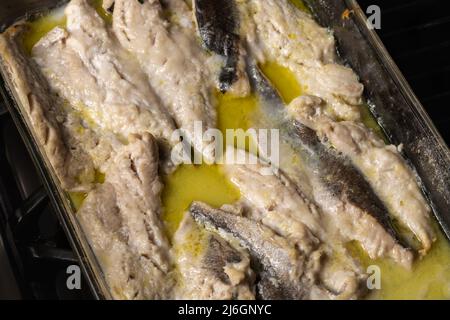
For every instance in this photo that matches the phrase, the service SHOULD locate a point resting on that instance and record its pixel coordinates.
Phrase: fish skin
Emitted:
(382, 165)
(277, 203)
(281, 268)
(218, 255)
(342, 179)
(218, 32)
(338, 180)
(215, 269)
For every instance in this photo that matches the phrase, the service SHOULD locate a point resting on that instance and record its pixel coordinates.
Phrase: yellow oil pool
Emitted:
(237, 113)
(77, 199)
(194, 183)
(428, 279)
(40, 26)
(301, 5)
(284, 81)
(234, 112)
(106, 16)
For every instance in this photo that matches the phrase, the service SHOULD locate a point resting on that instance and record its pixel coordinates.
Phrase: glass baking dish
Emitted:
(390, 98)
(59, 198)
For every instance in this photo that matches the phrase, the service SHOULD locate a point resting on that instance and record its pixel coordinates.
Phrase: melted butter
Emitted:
(283, 80)
(77, 198)
(428, 279)
(42, 25)
(105, 15)
(39, 27)
(234, 112)
(300, 5)
(237, 113)
(194, 183)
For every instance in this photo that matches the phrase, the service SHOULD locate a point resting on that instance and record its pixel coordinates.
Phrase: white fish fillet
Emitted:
(382, 165)
(174, 62)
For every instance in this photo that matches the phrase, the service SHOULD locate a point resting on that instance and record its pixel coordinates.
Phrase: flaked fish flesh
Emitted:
(284, 272)
(122, 220)
(217, 22)
(340, 189)
(382, 165)
(211, 268)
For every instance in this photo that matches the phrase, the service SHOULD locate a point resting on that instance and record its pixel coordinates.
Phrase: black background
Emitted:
(417, 35)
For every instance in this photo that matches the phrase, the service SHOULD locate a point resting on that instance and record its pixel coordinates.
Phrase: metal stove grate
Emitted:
(32, 238)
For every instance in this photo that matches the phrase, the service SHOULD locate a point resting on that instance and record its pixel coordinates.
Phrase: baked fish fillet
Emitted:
(87, 67)
(273, 200)
(211, 268)
(284, 273)
(174, 62)
(382, 165)
(122, 221)
(340, 190)
(43, 111)
(276, 203)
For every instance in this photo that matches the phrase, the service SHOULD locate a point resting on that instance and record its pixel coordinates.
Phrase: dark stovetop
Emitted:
(415, 32)
(33, 239)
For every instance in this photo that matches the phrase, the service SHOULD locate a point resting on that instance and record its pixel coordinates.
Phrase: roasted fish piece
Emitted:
(339, 188)
(272, 199)
(43, 111)
(122, 220)
(86, 66)
(382, 165)
(277, 32)
(211, 268)
(284, 273)
(175, 65)
(101, 222)
(217, 22)
(277, 203)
